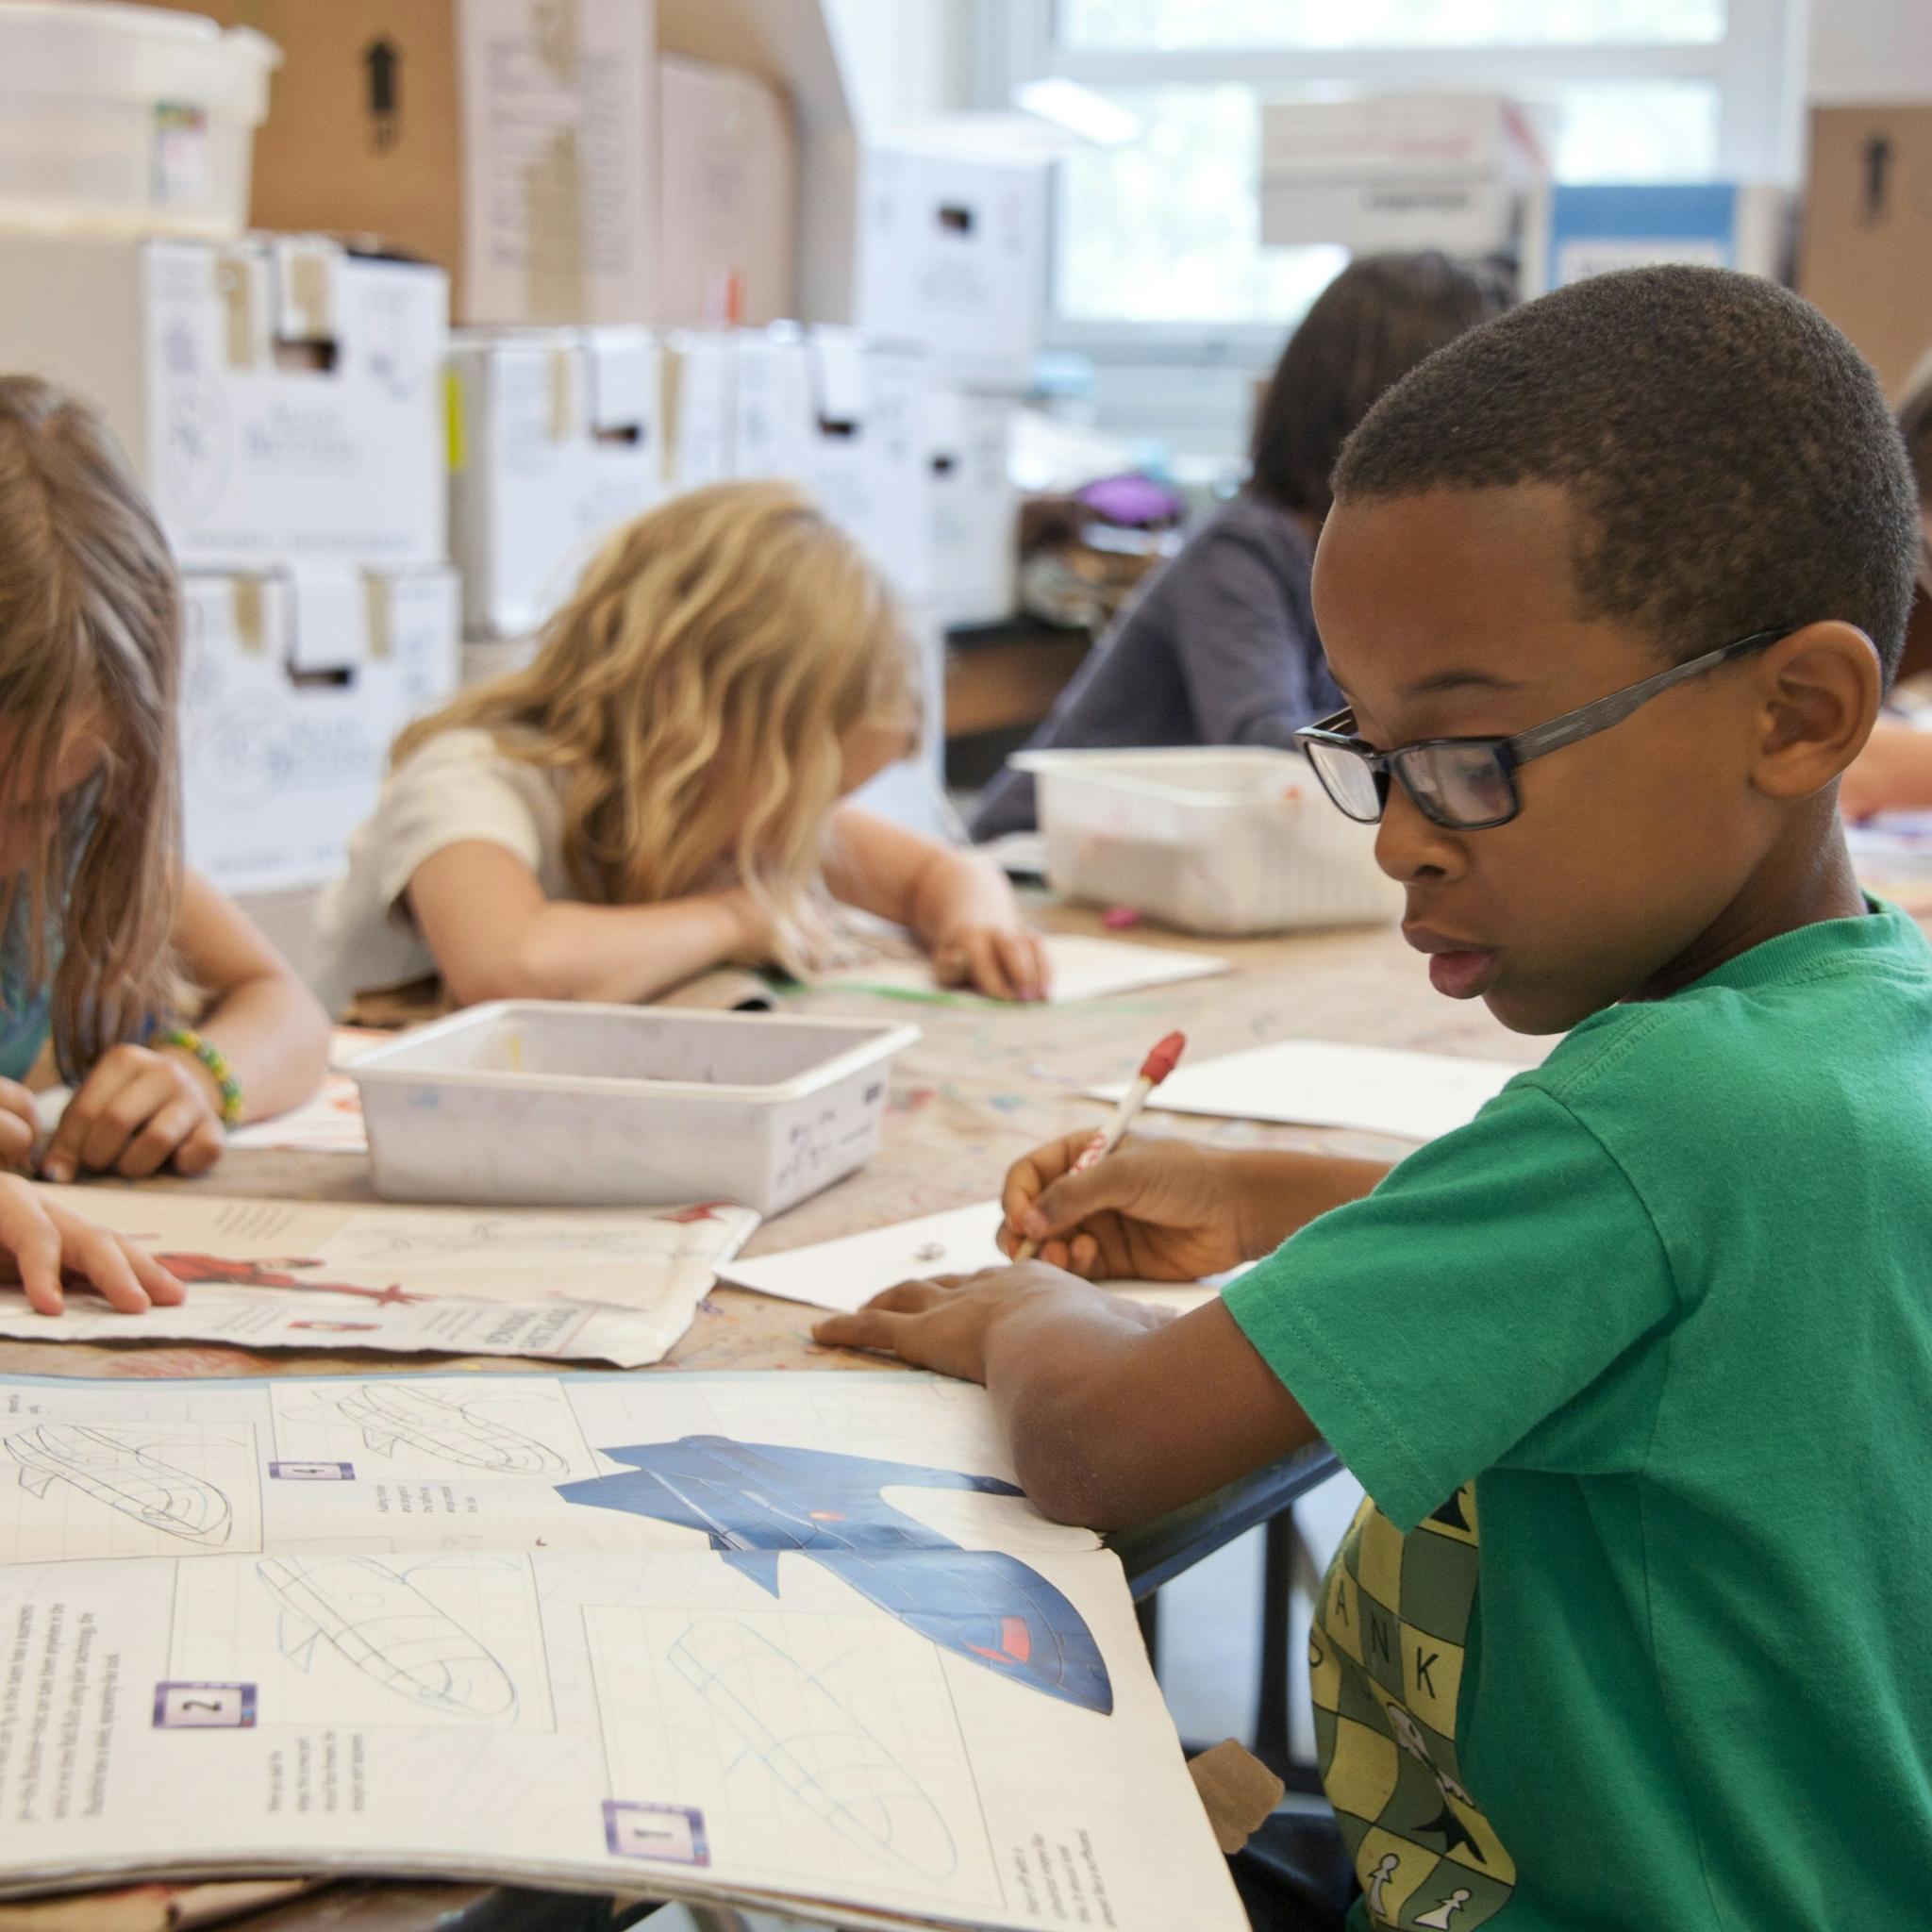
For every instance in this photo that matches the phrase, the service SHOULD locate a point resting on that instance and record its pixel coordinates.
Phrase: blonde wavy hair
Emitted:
(695, 694)
(90, 641)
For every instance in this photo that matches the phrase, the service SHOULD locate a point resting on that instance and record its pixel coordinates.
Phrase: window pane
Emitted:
(1168, 227)
(1629, 130)
(1162, 25)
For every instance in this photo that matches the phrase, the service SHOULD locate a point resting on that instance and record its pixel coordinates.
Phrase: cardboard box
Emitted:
(774, 407)
(871, 466)
(727, 179)
(700, 409)
(931, 248)
(294, 684)
(279, 398)
(511, 141)
(1593, 229)
(975, 507)
(1453, 172)
(557, 438)
(1866, 254)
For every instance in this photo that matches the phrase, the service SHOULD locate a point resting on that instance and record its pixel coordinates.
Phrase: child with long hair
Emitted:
(121, 972)
(661, 790)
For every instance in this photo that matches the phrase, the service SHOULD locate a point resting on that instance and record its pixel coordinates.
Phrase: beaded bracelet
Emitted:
(216, 1061)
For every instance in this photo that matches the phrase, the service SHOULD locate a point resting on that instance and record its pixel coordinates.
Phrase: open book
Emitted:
(795, 1641)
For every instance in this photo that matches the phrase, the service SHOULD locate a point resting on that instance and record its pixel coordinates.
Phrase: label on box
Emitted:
(182, 174)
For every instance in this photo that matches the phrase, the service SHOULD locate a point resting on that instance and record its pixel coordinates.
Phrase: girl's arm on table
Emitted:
(496, 936)
(141, 1108)
(959, 907)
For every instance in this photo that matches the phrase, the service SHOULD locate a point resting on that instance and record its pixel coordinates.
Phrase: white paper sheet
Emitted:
(1083, 969)
(846, 1273)
(616, 1285)
(1315, 1083)
(782, 1640)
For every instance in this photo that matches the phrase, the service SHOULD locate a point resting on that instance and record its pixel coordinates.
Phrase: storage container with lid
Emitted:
(127, 120)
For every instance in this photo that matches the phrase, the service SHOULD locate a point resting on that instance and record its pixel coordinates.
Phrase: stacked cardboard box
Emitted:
(281, 400)
(509, 141)
(556, 438)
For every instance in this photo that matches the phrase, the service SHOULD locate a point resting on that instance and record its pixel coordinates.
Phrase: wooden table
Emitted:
(982, 1086)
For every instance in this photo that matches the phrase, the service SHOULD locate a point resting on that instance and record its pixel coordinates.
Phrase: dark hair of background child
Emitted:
(1371, 325)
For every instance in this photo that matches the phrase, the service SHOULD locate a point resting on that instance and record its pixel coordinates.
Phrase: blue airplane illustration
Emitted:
(757, 1501)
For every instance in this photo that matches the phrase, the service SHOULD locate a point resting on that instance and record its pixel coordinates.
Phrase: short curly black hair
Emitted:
(1730, 451)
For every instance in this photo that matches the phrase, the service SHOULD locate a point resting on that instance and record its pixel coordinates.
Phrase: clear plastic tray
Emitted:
(1220, 840)
(555, 1103)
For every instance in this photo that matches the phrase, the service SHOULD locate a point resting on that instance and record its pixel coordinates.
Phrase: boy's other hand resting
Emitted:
(942, 1324)
(43, 1246)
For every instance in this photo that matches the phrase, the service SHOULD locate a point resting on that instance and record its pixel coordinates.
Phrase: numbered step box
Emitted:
(674, 1833)
(204, 1707)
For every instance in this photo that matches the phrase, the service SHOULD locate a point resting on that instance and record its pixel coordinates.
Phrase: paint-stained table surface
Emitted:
(983, 1085)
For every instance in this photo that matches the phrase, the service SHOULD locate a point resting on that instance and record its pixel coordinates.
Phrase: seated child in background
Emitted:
(103, 933)
(658, 793)
(1894, 771)
(1635, 1368)
(1220, 647)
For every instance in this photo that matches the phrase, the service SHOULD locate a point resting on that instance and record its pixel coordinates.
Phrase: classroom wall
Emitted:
(902, 60)
(1869, 50)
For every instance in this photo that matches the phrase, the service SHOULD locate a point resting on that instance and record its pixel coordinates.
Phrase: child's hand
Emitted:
(41, 1244)
(941, 1325)
(20, 1125)
(1152, 1210)
(997, 957)
(137, 1110)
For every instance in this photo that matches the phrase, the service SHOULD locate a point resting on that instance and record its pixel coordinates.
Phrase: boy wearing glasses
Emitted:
(1635, 1368)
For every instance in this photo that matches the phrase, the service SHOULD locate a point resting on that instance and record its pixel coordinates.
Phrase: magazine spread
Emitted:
(795, 1641)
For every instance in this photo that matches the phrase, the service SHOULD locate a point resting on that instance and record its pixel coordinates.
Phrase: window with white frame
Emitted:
(1158, 239)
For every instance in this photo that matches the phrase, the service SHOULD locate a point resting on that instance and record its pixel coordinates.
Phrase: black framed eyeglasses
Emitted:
(1468, 784)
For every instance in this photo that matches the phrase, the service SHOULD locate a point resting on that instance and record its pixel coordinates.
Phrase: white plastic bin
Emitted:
(1223, 841)
(127, 120)
(550, 1103)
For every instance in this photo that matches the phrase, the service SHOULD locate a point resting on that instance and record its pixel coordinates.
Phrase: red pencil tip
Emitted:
(1161, 1062)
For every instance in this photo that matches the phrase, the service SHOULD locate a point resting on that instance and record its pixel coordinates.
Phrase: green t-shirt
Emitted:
(1637, 1369)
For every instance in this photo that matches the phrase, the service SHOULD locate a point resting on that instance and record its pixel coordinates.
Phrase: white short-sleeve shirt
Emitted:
(458, 785)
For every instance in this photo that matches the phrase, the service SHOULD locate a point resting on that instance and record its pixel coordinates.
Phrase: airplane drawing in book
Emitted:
(115, 1471)
(820, 1753)
(375, 1619)
(393, 1412)
(759, 1500)
(271, 1273)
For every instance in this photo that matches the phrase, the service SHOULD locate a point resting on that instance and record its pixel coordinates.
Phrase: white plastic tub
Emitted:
(549, 1103)
(1225, 841)
(127, 120)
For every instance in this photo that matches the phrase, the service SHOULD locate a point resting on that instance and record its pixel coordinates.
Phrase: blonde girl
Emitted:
(660, 792)
(121, 972)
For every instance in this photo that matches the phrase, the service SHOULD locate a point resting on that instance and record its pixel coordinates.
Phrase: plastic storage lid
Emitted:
(57, 47)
